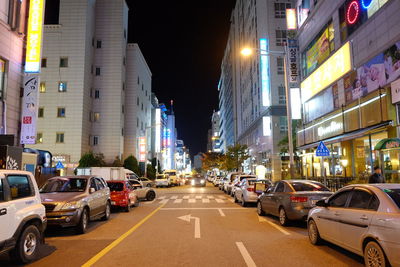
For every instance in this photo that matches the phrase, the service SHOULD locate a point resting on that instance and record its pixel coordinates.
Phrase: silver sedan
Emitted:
(364, 219)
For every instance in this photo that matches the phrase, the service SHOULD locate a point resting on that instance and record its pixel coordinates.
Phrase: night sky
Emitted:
(183, 43)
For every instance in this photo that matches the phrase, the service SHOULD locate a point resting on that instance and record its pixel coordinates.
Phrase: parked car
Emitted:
(22, 216)
(147, 182)
(142, 192)
(162, 180)
(198, 180)
(227, 188)
(75, 200)
(217, 181)
(291, 199)
(122, 194)
(172, 174)
(238, 180)
(246, 191)
(364, 219)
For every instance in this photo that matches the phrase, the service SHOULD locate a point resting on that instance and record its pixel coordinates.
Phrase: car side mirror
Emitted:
(322, 203)
(92, 190)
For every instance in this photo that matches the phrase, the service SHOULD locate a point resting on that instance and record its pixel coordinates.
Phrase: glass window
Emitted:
(99, 184)
(1, 191)
(98, 71)
(62, 87)
(64, 62)
(41, 112)
(280, 37)
(39, 138)
(64, 185)
(61, 112)
(280, 187)
(95, 140)
(374, 203)
(115, 186)
(2, 78)
(394, 194)
(308, 186)
(360, 199)
(42, 87)
(339, 200)
(97, 94)
(98, 44)
(44, 62)
(59, 137)
(93, 184)
(96, 116)
(19, 186)
(280, 66)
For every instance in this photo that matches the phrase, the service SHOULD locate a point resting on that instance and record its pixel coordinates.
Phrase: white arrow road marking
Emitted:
(221, 212)
(210, 197)
(185, 197)
(174, 197)
(205, 200)
(245, 254)
(219, 200)
(178, 200)
(262, 219)
(278, 227)
(198, 197)
(192, 200)
(187, 218)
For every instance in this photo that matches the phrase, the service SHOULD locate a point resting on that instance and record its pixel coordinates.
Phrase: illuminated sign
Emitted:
(267, 126)
(164, 137)
(366, 3)
(158, 131)
(291, 21)
(29, 109)
(295, 103)
(34, 40)
(353, 12)
(265, 82)
(142, 149)
(333, 127)
(331, 70)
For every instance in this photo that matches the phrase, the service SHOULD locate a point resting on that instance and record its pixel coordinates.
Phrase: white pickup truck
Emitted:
(108, 173)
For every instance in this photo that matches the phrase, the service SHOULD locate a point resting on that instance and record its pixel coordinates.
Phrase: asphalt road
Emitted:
(188, 226)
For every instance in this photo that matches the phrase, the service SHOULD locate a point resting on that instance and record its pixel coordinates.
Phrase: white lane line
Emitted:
(192, 200)
(162, 197)
(221, 197)
(262, 219)
(205, 200)
(185, 197)
(210, 197)
(164, 201)
(196, 227)
(219, 200)
(221, 212)
(245, 254)
(178, 201)
(232, 200)
(174, 197)
(278, 228)
(198, 197)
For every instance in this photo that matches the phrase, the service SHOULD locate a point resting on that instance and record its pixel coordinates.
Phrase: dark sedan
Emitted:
(291, 199)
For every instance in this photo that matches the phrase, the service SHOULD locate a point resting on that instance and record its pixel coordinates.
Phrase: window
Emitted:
(123, 109)
(142, 86)
(44, 62)
(123, 86)
(1, 191)
(142, 106)
(280, 10)
(97, 94)
(98, 71)
(137, 101)
(59, 137)
(19, 186)
(42, 87)
(64, 62)
(41, 112)
(3, 70)
(12, 9)
(280, 37)
(99, 184)
(339, 200)
(280, 187)
(282, 95)
(124, 61)
(137, 122)
(95, 140)
(283, 127)
(93, 184)
(394, 194)
(96, 116)
(280, 66)
(98, 44)
(39, 138)
(138, 80)
(122, 131)
(62, 87)
(60, 112)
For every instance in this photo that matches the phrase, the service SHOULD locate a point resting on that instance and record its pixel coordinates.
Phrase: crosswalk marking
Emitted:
(162, 197)
(164, 201)
(206, 200)
(219, 200)
(210, 197)
(198, 197)
(174, 197)
(192, 200)
(178, 200)
(185, 197)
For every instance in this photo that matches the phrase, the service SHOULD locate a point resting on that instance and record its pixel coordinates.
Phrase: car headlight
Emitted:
(192, 182)
(73, 205)
(202, 181)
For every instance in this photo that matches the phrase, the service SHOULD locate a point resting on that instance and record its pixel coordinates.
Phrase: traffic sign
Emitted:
(322, 150)
(59, 165)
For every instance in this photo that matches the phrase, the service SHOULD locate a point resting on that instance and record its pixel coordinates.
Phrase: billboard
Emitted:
(265, 82)
(34, 39)
(158, 131)
(142, 149)
(29, 109)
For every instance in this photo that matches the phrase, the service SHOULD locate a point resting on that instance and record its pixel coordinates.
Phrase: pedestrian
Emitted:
(376, 177)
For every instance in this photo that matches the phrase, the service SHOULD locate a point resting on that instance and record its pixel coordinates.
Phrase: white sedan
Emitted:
(364, 219)
(142, 192)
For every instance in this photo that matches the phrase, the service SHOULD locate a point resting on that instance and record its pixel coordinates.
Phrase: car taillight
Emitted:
(298, 199)
(250, 189)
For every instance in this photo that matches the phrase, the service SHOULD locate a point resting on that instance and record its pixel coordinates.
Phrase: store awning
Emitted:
(347, 136)
(388, 143)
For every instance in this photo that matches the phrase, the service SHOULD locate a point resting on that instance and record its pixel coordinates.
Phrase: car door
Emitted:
(102, 194)
(269, 198)
(239, 190)
(138, 187)
(94, 198)
(355, 219)
(5, 213)
(131, 192)
(277, 198)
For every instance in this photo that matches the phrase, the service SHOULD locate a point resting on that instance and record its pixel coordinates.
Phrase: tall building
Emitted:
(257, 82)
(170, 136)
(13, 14)
(350, 87)
(197, 161)
(215, 128)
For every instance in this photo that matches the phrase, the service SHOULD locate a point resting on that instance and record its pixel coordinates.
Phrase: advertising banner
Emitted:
(29, 109)
(395, 91)
(34, 40)
(142, 149)
(293, 63)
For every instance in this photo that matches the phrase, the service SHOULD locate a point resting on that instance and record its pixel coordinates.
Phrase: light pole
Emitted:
(248, 52)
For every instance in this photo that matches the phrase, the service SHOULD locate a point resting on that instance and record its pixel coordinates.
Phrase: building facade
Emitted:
(349, 90)
(215, 128)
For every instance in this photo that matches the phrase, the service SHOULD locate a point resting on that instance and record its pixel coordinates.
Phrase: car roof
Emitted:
(116, 181)
(299, 181)
(74, 176)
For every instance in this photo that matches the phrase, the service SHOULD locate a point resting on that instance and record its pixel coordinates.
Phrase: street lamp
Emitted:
(247, 52)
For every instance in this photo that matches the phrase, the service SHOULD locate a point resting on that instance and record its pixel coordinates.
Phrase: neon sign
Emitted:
(353, 12)
(366, 3)
(265, 82)
(34, 40)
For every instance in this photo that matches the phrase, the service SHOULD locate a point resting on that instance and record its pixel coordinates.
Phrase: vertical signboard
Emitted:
(267, 131)
(265, 82)
(158, 131)
(34, 39)
(142, 149)
(293, 63)
(291, 19)
(29, 109)
(295, 103)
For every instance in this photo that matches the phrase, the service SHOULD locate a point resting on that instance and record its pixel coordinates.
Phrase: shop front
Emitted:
(388, 152)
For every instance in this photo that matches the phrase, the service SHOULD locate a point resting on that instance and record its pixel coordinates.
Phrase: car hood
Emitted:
(62, 196)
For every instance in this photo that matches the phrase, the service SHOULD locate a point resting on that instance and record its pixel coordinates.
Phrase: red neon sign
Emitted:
(353, 12)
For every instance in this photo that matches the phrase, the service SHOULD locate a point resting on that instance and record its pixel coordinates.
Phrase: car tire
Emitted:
(151, 195)
(374, 255)
(283, 219)
(107, 212)
(128, 208)
(27, 246)
(313, 233)
(260, 211)
(81, 228)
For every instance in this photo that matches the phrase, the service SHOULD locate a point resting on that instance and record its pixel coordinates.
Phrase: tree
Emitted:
(131, 163)
(151, 172)
(212, 160)
(117, 162)
(91, 159)
(234, 157)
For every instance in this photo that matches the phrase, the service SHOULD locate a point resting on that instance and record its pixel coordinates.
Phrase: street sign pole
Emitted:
(322, 151)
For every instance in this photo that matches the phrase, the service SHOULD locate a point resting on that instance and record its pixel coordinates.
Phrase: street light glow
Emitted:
(246, 52)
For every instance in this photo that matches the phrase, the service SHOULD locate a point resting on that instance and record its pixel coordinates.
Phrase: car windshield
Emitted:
(64, 185)
(308, 186)
(393, 194)
(115, 186)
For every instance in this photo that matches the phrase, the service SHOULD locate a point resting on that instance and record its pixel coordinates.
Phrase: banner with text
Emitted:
(29, 109)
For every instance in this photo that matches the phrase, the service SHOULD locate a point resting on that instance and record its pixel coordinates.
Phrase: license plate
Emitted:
(112, 202)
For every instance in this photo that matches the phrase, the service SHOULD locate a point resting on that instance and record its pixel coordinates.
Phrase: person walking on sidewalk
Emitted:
(376, 177)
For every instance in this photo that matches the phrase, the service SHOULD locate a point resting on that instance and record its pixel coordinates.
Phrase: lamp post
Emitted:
(248, 52)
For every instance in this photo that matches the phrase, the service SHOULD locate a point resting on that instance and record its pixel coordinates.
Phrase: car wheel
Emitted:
(374, 255)
(235, 199)
(107, 212)
(283, 220)
(151, 195)
(83, 222)
(313, 233)
(27, 246)
(128, 208)
(244, 203)
(260, 211)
